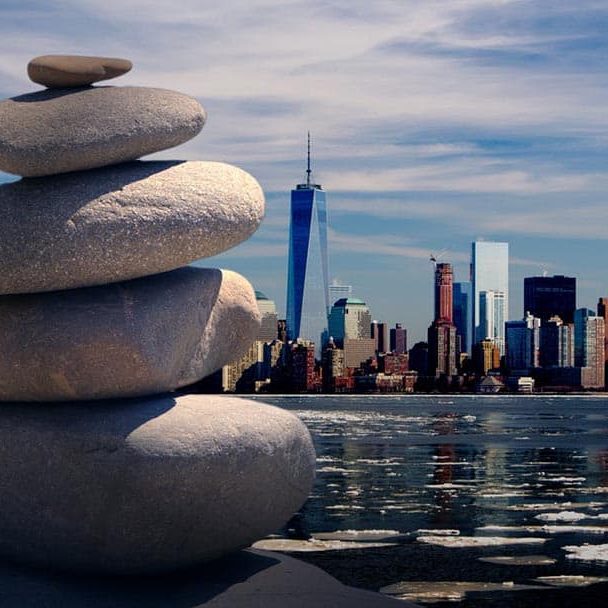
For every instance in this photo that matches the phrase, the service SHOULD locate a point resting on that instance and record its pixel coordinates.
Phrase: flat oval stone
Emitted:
(127, 339)
(58, 71)
(56, 131)
(121, 222)
(147, 485)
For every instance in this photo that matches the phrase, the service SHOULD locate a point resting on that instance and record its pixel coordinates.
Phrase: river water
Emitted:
(478, 501)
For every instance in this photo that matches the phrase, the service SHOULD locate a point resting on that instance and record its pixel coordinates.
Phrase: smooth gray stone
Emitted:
(58, 71)
(140, 337)
(60, 130)
(121, 222)
(148, 485)
(248, 579)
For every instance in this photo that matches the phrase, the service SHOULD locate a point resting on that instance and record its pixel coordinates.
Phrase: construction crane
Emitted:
(435, 258)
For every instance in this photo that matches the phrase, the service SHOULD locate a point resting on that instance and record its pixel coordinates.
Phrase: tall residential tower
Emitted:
(307, 276)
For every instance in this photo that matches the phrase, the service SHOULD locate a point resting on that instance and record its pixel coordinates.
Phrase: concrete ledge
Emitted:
(248, 579)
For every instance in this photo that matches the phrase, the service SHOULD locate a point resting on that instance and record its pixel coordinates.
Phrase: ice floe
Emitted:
(358, 535)
(555, 506)
(438, 532)
(447, 591)
(545, 529)
(587, 553)
(519, 560)
(478, 541)
(307, 546)
(571, 580)
(561, 516)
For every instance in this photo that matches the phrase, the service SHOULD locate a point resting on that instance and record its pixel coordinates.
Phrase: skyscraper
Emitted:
(379, 332)
(546, 297)
(492, 318)
(523, 344)
(589, 333)
(444, 278)
(442, 349)
(442, 332)
(462, 314)
(307, 277)
(350, 327)
(350, 319)
(398, 339)
(489, 272)
(602, 311)
(556, 343)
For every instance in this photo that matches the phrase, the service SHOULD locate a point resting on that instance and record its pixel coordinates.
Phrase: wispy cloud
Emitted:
(431, 120)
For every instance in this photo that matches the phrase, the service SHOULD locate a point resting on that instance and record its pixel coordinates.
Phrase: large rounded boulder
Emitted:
(147, 485)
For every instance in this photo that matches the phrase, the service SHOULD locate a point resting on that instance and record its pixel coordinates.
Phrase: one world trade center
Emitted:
(307, 276)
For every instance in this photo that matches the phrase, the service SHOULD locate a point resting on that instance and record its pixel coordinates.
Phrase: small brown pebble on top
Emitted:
(60, 71)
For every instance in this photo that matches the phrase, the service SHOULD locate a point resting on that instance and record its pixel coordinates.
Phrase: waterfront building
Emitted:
(398, 339)
(307, 276)
(602, 311)
(332, 365)
(269, 322)
(486, 357)
(350, 319)
(462, 309)
(556, 344)
(300, 367)
(393, 363)
(489, 273)
(442, 349)
(419, 358)
(379, 332)
(492, 309)
(546, 297)
(243, 375)
(523, 344)
(589, 348)
(358, 350)
(442, 344)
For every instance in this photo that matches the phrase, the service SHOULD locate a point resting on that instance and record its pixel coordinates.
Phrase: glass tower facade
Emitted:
(462, 314)
(307, 275)
(489, 273)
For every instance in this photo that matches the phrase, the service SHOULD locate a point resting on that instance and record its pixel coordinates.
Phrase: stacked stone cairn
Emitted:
(105, 466)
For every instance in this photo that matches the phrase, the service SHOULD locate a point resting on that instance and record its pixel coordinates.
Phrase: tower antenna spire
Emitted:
(308, 169)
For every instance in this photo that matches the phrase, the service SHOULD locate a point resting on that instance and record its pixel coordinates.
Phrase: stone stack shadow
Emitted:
(104, 467)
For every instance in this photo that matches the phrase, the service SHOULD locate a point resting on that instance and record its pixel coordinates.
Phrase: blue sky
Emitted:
(434, 123)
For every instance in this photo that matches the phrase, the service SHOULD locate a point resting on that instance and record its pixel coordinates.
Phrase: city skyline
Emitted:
(436, 124)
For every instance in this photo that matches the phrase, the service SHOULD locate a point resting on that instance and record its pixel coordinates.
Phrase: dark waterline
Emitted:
(503, 467)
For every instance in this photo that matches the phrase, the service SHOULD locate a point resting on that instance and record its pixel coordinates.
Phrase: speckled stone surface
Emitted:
(147, 485)
(59, 71)
(60, 130)
(121, 222)
(135, 338)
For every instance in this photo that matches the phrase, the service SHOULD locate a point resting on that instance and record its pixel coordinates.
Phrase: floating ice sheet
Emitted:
(447, 591)
(358, 535)
(478, 541)
(587, 553)
(566, 580)
(519, 560)
(307, 546)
